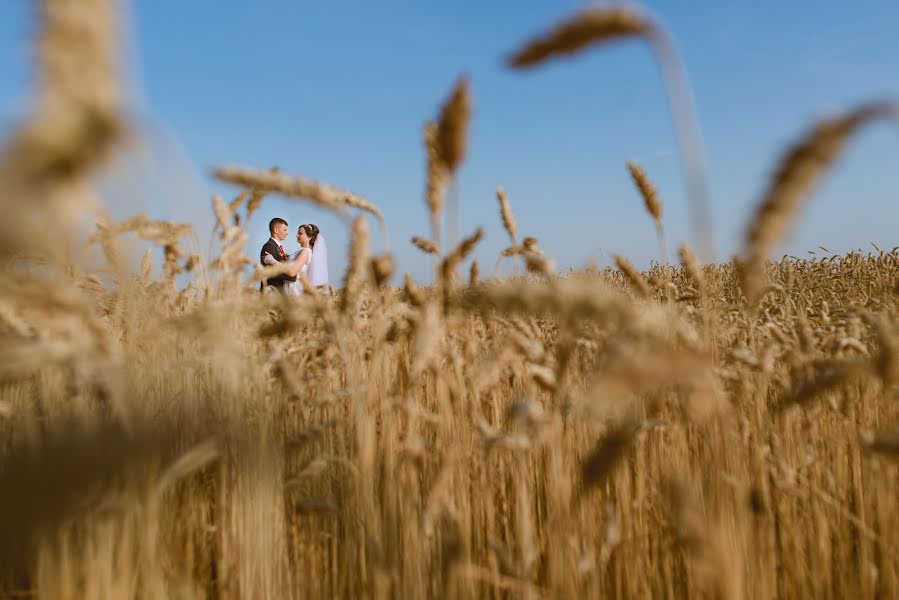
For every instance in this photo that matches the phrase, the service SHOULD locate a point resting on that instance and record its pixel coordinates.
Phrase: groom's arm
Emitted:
(271, 249)
(275, 253)
(267, 248)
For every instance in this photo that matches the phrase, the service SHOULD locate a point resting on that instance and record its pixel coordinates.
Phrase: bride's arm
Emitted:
(295, 266)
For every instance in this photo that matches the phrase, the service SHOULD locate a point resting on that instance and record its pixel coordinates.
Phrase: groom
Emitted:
(278, 228)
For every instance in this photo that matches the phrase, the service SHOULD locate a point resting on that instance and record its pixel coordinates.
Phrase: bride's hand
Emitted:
(268, 259)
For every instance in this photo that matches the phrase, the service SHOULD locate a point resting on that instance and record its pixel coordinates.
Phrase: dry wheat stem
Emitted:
(647, 191)
(887, 443)
(798, 170)
(448, 141)
(447, 271)
(382, 268)
(321, 194)
(474, 274)
(565, 299)
(426, 246)
(599, 25)
(505, 211)
(592, 26)
(354, 278)
(633, 276)
(451, 137)
(607, 453)
(414, 293)
(77, 121)
(651, 202)
(436, 180)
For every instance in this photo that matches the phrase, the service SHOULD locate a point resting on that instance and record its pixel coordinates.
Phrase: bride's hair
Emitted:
(312, 231)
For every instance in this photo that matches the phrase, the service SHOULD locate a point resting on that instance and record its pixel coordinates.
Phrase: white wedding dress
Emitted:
(295, 288)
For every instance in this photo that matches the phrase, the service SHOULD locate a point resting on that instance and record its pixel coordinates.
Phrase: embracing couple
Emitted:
(311, 258)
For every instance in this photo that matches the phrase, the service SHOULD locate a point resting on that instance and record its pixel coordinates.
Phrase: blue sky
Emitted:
(339, 91)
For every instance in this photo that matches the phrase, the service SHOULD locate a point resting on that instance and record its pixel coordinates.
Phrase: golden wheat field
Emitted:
(728, 430)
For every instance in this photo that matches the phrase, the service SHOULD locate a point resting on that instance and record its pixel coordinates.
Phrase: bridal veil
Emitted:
(318, 265)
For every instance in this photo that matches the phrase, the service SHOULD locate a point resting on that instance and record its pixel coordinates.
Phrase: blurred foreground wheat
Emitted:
(727, 430)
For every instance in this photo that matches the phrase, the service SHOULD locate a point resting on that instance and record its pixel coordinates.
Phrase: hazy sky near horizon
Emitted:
(339, 91)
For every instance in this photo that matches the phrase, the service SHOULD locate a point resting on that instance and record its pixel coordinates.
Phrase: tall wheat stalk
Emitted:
(651, 203)
(601, 25)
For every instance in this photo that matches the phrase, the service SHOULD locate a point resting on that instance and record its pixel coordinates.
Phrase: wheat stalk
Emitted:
(592, 26)
(505, 211)
(647, 191)
(474, 273)
(76, 124)
(382, 268)
(449, 145)
(887, 443)
(651, 202)
(601, 25)
(451, 261)
(607, 453)
(565, 299)
(223, 213)
(256, 196)
(414, 293)
(426, 246)
(638, 283)
(321, 194)
(798, 170)
(436, 179)
(451, 137)
(354, 277)
(692, 267)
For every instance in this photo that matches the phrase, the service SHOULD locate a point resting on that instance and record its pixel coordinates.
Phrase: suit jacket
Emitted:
(272, 248)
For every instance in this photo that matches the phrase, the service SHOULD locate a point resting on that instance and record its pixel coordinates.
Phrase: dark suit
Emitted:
(272, 248)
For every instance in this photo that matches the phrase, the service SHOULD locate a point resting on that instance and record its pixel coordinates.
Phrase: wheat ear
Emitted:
(650, 202)
(426, 246)
(803, 164)
(450, 139)
(321, 194)
(359, 253)
(639, 285)
(505, 212)
(601, 25)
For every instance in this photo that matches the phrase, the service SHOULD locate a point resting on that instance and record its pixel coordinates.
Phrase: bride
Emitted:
(311, 259)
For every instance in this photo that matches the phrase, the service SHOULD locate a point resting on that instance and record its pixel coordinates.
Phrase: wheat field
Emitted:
(727, 430)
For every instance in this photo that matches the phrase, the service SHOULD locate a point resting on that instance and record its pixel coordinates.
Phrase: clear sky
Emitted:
(339, 91)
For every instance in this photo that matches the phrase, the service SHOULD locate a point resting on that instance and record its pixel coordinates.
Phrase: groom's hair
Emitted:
(275, 221)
